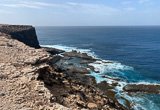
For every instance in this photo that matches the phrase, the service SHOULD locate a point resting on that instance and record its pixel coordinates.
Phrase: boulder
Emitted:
(92, 105)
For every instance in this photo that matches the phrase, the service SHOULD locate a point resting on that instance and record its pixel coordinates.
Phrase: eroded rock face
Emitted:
(28, 80)
(14, 52)
(39, 79)
(76, 91)
(19, 87)
(75, 62)
(23, 33)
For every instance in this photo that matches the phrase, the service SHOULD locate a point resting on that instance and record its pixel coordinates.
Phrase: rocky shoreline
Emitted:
(34, 78)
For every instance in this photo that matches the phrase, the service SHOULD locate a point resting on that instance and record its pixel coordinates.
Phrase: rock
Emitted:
(23, 80)
(3, 76)
(92, 105)
(35, 79)
(148, 88)
(53, 51)
(16, 75)
(104, 86)
(80, 55)
(2, 94)
(75, 69)
(27, 70)
(23, 33)
(55, 59)
(53, 99)
(81, 104)
(40, 88)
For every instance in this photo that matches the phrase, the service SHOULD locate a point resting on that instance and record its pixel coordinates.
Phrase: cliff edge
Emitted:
(33, 79)
(23, 33)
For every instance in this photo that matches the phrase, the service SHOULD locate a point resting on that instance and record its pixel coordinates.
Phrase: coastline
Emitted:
(126, 93)
(63, 78)
(29, 79)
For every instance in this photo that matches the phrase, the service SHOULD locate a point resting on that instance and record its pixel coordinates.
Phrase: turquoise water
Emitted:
(134, 51)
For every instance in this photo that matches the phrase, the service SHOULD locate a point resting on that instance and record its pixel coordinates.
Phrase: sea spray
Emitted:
(114, 70)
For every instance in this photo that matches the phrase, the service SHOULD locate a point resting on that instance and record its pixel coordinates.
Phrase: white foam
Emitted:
(97, 77)
(104, 66)
(65, 48)
(146, 83)
(119, 88)
(100, 65)
(141, 102)
(71, 48)
(109, 66)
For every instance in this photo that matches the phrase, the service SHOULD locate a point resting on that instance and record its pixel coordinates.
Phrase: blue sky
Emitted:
(80, 12)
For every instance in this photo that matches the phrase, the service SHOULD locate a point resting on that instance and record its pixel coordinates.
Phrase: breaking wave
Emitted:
(110, 71)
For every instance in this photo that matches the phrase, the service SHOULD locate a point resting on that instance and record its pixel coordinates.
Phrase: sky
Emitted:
(80, 12)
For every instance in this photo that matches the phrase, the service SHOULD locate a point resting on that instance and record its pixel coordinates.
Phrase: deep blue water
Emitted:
(138, 47)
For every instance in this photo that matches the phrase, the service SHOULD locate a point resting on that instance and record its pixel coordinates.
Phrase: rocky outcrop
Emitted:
(75, 62)
(76, 91)
(145, 88)
(53, 51)
(52, 79)
(18, 72)
(31, 79)
(83, 56)
(23, 33)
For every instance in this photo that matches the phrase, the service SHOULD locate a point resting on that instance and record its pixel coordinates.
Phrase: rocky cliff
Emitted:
(23, 33)
(43, 79)
(33, 79)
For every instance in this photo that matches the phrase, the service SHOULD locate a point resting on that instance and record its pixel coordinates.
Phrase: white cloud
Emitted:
(76, 13)
(69, 6)
(27, 4)
(20, 5)
(92, 8)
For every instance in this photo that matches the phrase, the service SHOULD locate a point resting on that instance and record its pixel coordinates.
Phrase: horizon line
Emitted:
(93, 25)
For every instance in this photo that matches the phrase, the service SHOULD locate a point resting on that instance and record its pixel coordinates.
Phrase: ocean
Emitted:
(135, 51)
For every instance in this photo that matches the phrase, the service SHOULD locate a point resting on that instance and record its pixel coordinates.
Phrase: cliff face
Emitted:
(42, 79)
(30, 80)
(33, 79)
(23, 33)
(19, 89)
